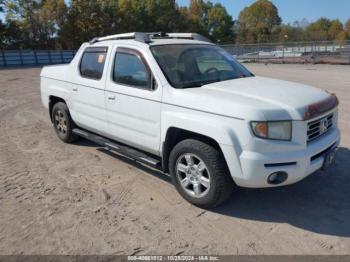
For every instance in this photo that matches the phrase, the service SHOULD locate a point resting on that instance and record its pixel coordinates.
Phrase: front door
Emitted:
(133, 101)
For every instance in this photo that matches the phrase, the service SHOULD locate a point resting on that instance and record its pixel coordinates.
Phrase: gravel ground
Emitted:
(57, 198)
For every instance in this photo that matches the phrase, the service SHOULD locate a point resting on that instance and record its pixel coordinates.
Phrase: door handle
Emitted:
(111, 98)
(75, 89)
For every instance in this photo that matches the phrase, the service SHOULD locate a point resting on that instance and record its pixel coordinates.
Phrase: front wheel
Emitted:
(199, 173)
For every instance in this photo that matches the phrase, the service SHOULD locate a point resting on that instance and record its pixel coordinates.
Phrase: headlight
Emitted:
(278, 130)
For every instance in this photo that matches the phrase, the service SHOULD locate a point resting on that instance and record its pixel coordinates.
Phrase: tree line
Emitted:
(260, 23)
(52, 24)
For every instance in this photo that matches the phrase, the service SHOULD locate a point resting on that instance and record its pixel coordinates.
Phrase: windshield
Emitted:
(192, 65)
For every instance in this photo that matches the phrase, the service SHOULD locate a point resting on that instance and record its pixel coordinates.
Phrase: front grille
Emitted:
(319, 127)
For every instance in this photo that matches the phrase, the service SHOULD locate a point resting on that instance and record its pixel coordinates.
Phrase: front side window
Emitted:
(129, 69)
(193, 65)
(92, 62)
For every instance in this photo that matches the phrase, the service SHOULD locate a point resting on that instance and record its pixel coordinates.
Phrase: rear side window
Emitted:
(129, 69)
(92, 62)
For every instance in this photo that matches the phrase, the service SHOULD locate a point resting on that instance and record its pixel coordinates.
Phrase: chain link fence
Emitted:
(329, 52)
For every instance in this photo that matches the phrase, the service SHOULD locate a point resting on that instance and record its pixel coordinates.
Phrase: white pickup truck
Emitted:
(184, 105)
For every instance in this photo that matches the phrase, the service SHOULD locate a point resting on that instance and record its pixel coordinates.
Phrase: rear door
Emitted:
(133, 100)
(88, 91)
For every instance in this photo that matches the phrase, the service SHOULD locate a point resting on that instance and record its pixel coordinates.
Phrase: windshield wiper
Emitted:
(190, 85)
(207, 82)
(200, 83)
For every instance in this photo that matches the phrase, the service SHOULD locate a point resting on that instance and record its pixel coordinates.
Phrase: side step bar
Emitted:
(119, 148)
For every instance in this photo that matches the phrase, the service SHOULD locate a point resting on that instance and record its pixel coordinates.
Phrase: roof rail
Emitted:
(147, 37)
(193, 36)
(138, 36)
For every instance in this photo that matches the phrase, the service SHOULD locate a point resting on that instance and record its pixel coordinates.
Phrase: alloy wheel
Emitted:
(61, 122)
(193, 175)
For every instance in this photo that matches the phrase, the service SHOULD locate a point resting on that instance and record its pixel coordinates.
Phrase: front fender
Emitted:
(231, 134)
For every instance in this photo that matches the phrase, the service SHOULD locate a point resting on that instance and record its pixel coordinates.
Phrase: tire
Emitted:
(206, 181)
(63, 123)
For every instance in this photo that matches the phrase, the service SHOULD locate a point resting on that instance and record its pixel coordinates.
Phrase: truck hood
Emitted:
(252, 98)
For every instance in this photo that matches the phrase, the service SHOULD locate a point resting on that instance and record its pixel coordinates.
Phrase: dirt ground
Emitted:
(57, 198)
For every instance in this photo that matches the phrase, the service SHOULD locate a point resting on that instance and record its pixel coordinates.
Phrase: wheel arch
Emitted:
(52, 101)
(174, 135)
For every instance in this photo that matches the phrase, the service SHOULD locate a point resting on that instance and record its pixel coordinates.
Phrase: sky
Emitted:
(291, 10)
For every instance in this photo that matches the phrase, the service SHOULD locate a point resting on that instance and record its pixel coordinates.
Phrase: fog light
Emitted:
(277, 178)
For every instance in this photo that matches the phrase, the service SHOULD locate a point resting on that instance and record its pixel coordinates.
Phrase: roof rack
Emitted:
(193, 36)
(147, 37)
(142, 37)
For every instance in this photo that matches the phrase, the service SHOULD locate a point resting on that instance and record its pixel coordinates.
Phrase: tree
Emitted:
(347, 28)
(318, 31)
(209, 20)
(52, 16)
(288, 33)
(258, 22)
(23, 15)
(164, 15)
(38, 21)
(2, 35)
(183, 24)
(335, 29)
(149, 16)
(341, 37)
(220, 24)
(132, 16)
(12, 36)
(2, 26)
(304, 23)
(198, 15)
(87, 19)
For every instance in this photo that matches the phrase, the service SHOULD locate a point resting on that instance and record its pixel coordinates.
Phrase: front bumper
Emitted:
(256, 167)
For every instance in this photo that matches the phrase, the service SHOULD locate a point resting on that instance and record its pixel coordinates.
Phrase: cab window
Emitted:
(130, 69)
(92, 62)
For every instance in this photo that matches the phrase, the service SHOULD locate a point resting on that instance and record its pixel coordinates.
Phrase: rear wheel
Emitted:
(63, 123)
(199, 173)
